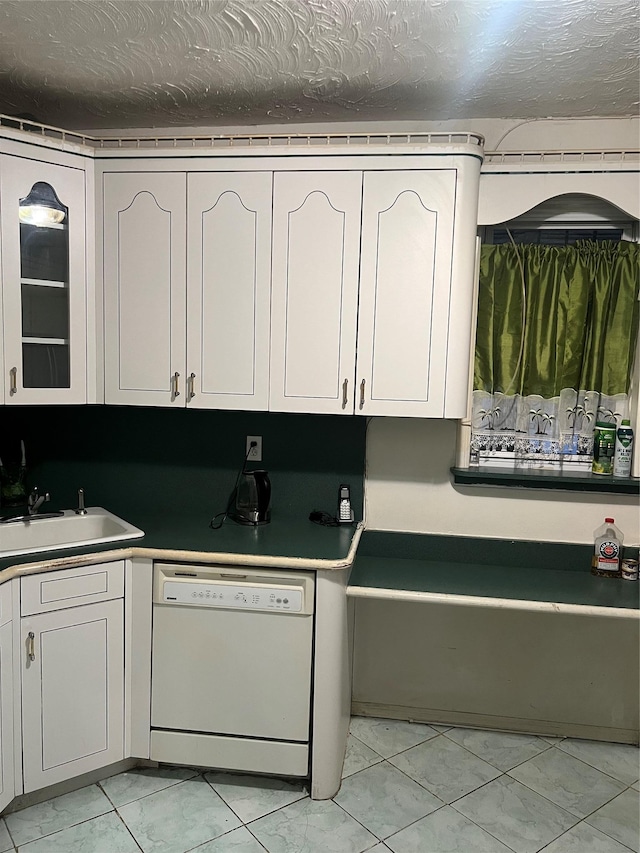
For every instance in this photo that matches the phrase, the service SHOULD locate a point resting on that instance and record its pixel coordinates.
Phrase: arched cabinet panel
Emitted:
(313, 295)
(228, 284)
(316, 231)
(144, 260)
(407, 234)
(140, 263)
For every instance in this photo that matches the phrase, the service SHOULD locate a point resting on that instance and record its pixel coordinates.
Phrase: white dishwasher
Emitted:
(231, 668)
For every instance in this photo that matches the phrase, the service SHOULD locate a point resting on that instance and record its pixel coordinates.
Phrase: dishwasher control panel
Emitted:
(223, 594)
(234, 588)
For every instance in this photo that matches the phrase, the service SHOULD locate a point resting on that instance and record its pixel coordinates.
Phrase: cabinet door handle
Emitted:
(31, 645)
(191, 387)
(174, 382)
(362, 393)
(13, 381)
(345, 385)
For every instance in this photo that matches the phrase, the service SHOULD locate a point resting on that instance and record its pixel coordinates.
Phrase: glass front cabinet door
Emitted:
(43, 282)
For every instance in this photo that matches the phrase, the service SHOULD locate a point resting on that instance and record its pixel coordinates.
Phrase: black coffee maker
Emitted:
(251, 502)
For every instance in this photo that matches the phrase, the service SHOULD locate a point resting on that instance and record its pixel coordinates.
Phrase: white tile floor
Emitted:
(407, 788)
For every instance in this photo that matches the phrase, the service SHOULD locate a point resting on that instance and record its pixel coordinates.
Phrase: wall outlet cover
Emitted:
(254, 454)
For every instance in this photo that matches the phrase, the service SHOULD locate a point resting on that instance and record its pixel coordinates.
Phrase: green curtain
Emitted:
(554, 317)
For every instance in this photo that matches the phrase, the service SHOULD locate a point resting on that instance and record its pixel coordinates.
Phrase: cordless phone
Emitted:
(345, 513)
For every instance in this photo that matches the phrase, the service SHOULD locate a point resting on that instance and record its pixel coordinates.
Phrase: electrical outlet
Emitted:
(254, 454)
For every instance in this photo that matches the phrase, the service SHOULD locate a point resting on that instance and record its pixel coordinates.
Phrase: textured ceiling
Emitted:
(102, 64)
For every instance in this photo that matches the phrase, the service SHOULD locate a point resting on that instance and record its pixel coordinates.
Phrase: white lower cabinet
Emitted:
(72, 691)
(6, 716)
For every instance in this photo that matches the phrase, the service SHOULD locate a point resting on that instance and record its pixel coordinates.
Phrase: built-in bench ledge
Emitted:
(575, 481)
(493, 634)
(487, 572)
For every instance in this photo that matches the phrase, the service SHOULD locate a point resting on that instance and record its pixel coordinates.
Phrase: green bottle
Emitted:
(604, 439)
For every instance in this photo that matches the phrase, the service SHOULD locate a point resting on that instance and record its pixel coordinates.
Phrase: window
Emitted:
(556, 333)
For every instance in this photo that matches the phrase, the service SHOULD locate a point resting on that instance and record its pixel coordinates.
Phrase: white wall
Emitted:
(408, 487)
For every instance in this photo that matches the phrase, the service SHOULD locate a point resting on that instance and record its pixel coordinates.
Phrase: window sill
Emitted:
(577, 481)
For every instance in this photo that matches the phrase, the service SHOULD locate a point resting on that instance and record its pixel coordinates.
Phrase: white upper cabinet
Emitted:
(144, 220)
(228, 283)
(405, 281)
(187, 260)
(385, 252)
(297, 284)
(293, 279)
(316, 238)
(44, 286)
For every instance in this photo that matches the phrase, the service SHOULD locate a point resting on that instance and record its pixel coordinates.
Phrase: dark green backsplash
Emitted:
(176, 460)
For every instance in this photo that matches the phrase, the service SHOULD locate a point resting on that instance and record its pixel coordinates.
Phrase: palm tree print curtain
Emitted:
(556, 336)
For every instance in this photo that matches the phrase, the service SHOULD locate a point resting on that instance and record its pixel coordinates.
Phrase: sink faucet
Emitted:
(35, 501)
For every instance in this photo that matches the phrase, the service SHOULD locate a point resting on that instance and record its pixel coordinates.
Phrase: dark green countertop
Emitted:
(524, 571)
(490, 568)
(284, 537)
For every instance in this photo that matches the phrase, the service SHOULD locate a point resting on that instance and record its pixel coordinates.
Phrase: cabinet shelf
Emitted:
(576, 481)
(50, 226)
(41, 282)
(47, 341)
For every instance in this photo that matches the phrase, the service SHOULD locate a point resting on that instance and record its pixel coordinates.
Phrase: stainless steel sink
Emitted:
(68, 530)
